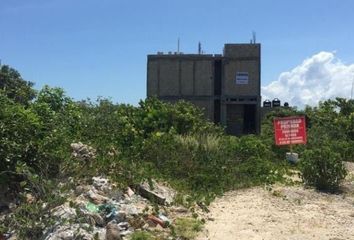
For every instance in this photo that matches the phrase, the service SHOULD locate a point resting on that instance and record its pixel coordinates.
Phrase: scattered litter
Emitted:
(102, 184)
(96, 198)
(123, 226)
(99, 211)
(157, 220)
(130, 192)
(112, 232)
(82, 151)
(165, 220)
(91, 207)
(64, 211)
(157, 193)
(126, 233)
(109, 210)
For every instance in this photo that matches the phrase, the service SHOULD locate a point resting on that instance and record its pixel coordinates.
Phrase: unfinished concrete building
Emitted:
(226, 87)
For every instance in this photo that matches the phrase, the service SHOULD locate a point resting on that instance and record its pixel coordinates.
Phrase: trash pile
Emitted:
(82, 151)
(99, 211)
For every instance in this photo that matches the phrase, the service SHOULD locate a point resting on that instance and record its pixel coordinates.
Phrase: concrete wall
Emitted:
(152, 78)
(191, 77)
(207, 106)
(169, 77)
(204, 79)
(241, 58)
(187, 77)
(242, 50)
(180, 75)
(231, 67)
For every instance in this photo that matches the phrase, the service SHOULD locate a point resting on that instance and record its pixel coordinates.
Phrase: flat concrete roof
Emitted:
(184, 56)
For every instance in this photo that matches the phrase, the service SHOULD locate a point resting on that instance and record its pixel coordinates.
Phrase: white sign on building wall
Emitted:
(241, 77)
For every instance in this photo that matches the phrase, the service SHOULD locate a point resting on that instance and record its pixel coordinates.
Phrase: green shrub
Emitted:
(15, 87)
(18, 142)
(140, 235)
(322, 168)
(187, 228)
(210, 164)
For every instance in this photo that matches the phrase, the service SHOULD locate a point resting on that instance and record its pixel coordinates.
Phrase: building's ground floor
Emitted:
(239, 114)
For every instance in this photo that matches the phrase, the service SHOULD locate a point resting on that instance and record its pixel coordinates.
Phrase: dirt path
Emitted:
(281, 213)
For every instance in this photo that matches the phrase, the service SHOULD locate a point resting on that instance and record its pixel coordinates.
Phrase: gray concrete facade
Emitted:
(226, 87)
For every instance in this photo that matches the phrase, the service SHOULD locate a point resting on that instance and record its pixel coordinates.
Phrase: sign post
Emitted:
(290, 131)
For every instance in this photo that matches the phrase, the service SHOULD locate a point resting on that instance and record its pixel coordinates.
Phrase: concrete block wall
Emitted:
(187, 78)
(241, 50)
(241, 58)
(231, 67)
(180, 75)
(152, 83)
(171, 77)
(169, 71)
(204, 78)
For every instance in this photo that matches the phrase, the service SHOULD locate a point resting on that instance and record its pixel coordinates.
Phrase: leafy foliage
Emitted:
(18, 130)
(333, 121)
(155, 139)
(14, 87)
(140, 235)
(210, 164)
(322, 168)
(187, 228)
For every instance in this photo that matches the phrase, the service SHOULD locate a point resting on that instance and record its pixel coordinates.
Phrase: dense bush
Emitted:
(322, 168)
(14, 87)
(210, 163)
(18, 142)
(333, 122)
(153, 139)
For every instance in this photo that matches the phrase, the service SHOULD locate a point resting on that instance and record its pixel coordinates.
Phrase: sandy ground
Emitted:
(282, 212)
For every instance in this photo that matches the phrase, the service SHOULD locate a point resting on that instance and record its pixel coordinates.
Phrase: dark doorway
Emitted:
(234, 119)
(249, 119)
(217, 77)
(241, 119)
(217, 111)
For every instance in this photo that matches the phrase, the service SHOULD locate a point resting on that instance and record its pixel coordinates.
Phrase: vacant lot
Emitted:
(282, 212)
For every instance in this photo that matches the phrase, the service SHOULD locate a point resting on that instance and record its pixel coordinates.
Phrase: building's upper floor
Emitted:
(235, 73)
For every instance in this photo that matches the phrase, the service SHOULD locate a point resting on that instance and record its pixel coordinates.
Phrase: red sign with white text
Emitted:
(290, 130)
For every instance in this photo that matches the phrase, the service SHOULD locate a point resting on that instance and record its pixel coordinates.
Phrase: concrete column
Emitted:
(193, 78)
(179, 78)
(158, 79)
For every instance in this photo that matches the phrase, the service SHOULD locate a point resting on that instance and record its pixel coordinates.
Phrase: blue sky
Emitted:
(98, 47)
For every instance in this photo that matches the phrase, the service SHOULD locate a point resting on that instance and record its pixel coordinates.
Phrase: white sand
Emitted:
(283, 212)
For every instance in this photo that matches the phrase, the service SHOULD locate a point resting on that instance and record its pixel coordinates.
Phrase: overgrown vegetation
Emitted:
(330, 127)
(187, 228)
(140, 235)
(172, 142)
(322, 168)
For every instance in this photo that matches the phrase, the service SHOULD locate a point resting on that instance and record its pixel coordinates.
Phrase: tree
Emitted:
(15, 87)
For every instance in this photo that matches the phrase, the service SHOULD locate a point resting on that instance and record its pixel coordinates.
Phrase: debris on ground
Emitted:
(157, 193)
(82, 151)
(100, 211)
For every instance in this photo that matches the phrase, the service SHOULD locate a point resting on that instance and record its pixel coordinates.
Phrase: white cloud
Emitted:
(317, 78)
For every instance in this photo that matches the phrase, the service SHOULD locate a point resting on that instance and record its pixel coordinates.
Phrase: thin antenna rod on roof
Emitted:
(199, 48)
(254, 37)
